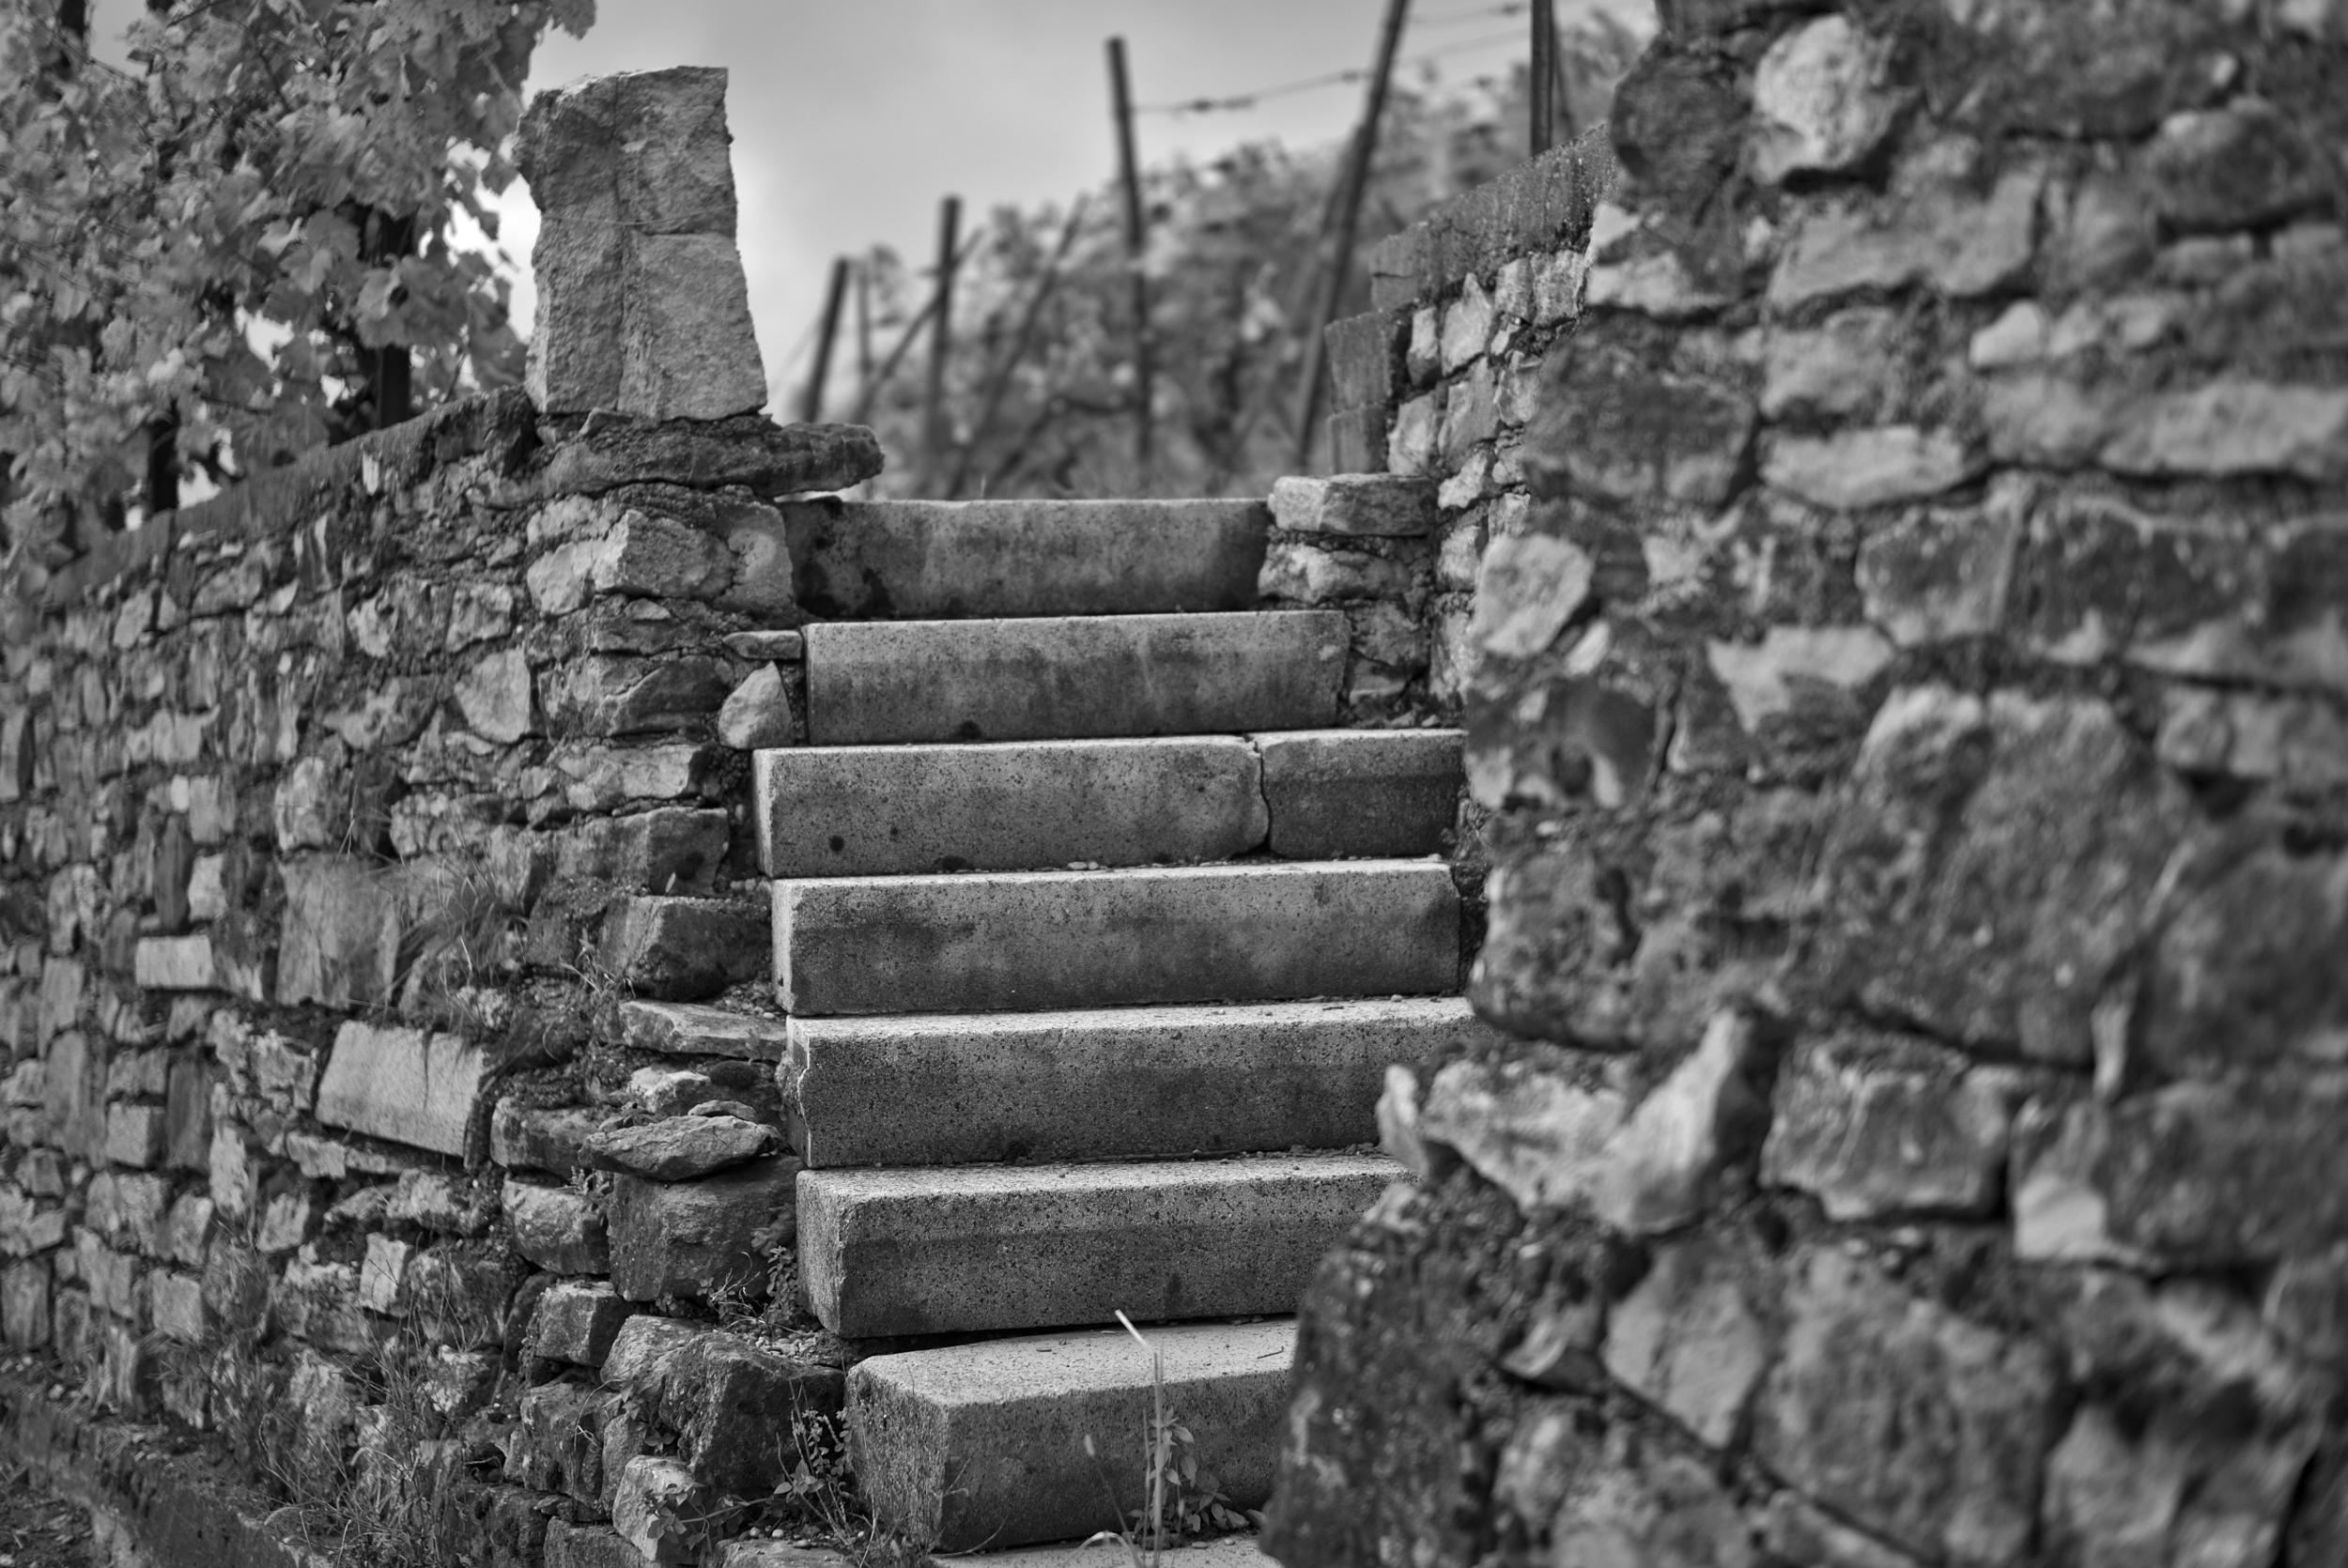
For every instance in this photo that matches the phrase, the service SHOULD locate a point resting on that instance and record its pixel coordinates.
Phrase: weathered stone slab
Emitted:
(1880, 1125)
(973, 1088)
(680, 1149)
(1388, 505)
(764, 458)
(1361, 792)
(402, 1084)
(685, 1239)
(985, 1444)
(950, 560)
(689, 1029)
(1097, 676)
(967, 1248)
(880, 811)
(1037, 940)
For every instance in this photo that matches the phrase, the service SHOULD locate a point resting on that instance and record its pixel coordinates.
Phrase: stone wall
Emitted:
(1914, 718)
(360, 830)
(1431, 389)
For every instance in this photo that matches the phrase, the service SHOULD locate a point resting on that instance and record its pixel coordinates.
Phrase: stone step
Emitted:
(1361, 792)
(1035, 941)
(1222, 1551)
(983, 1445)
(881, 810)
(937, 560)
(967, 1248)
(1110, 1082)
(1314, 794)
(1067, 677)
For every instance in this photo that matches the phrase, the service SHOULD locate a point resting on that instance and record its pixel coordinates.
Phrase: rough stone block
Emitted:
(877, 682)
(1614, 428)
(1302, 572)
(670, 850)
(1357, 441)
(1692, 1338)
(402, 1084)
(680, 1149)
(174, 962)
(1366, 355)
(685, 1239)
(1989, 899)
(1877, 1126)
(617, 694)
(685, 949)
(1361, 792)
(688, 1029)
(134, 1135)
(569, 1545)
(1385, 505)
(540, 1137)
(24, 1310)
(1026, 805)
(688, 351)
(734, 1405)
(978, 1088)
(557, 1445)
(1066, 939)
(985, 1445)
(963, 1249)
(557, 1228)
(1920, 1425)
(575, 1321)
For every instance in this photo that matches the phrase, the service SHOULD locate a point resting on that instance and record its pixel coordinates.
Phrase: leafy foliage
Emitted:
(210, 244)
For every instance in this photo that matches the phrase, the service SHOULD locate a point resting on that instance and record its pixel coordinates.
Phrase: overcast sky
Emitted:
(851, 118)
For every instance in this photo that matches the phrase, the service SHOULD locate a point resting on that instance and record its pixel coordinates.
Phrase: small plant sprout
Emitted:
(1179, 1500)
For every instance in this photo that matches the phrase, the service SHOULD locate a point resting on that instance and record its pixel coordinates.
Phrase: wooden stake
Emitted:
(812, 408)
(1541, 88)
(941, 342)
(1348, 226)
(863, 325)
(1136, 247)
(1029, 320)
(914, 329)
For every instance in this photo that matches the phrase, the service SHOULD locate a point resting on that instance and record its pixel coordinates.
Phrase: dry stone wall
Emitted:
(363, 833)
(1431, 390)
(1914, 718)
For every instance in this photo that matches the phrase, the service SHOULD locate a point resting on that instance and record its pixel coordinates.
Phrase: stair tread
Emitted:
(1030, 941)
(1209, 1078)
(1015, 557)
(967, 1249)
(1074, 676)
(1222, 1551)
(983, 1444)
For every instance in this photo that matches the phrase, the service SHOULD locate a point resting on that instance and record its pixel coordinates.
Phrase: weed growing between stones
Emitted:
(1180, 1500)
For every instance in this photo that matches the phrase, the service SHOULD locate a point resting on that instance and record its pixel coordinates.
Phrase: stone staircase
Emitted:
(1096, 938)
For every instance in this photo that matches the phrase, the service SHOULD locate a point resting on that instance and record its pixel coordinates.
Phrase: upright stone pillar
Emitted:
(643, 308)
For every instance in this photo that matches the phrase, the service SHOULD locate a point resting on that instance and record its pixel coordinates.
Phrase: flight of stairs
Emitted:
(1096, 935)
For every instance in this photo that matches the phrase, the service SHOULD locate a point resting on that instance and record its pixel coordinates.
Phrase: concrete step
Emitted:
(936, 560)
(966, 1248)
(1034, 941)
(881, 682)
(1222, 1551)
(1314, 794)
(1111, 1083)
(880, 811)
(983, 1445)
(1361, 792)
